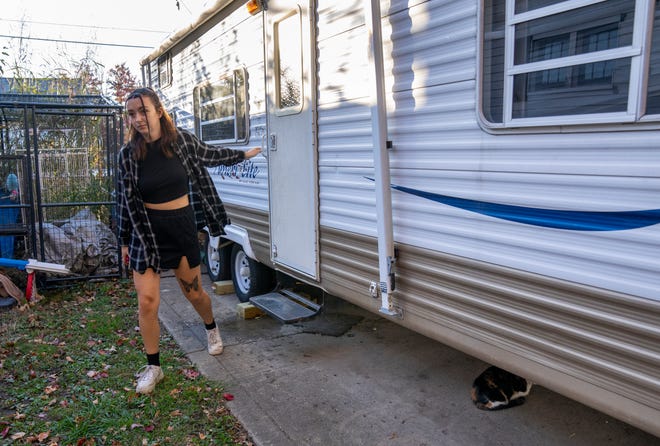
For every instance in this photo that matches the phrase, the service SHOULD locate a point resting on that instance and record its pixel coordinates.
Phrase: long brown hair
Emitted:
(168, 130)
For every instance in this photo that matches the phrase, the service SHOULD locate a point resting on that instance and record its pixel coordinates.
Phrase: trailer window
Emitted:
(221, 109)
(152, 74)
(555, 62)
(653, 90)
(288, 59)
(164, 70)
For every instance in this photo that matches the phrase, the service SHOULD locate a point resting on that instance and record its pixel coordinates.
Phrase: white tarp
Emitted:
(83, 244)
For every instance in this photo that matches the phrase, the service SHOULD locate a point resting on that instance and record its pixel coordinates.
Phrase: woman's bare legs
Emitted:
(190, 281)
(147, 286)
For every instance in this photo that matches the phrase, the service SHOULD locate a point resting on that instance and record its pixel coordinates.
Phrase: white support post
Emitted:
(386, 256)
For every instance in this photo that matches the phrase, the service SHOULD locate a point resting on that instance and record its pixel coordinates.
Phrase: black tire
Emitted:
(217, 261)
(250, 278)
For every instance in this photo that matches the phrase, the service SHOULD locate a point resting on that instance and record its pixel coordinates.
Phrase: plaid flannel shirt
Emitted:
(135, 230)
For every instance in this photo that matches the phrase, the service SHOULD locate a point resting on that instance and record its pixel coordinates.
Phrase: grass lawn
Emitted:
(67, 365)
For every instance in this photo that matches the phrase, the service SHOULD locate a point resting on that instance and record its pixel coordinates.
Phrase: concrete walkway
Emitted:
(349, 377)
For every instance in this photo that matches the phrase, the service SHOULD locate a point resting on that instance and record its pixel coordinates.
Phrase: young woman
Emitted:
(159, 167)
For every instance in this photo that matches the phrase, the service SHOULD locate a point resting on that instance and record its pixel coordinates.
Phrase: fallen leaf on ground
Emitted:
(50, 389)
(190, 373)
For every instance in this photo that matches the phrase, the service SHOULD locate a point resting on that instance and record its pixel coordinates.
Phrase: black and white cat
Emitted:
(497, 389)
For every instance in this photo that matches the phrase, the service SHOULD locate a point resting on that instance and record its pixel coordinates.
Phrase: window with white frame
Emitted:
(221, 109)
(550, 62)
(288, 63)
(151, 72)
(164, 70)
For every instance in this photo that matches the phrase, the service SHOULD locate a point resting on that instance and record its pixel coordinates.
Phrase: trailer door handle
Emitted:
(264, 147)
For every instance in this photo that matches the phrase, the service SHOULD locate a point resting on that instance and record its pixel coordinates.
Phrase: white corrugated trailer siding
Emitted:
(233, 39)
(576, 311)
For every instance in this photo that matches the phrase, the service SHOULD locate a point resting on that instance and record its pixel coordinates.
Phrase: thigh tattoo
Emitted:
(194, 285)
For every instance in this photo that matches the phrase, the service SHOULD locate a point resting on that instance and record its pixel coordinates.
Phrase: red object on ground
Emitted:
(28, 288)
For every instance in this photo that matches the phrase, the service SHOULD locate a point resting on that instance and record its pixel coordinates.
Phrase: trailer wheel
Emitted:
(218, 261)
(250, 277)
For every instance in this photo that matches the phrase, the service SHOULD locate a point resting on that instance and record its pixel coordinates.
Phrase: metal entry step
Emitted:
(286, 306)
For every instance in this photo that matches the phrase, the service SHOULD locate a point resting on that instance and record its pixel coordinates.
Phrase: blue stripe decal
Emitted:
(548, 218)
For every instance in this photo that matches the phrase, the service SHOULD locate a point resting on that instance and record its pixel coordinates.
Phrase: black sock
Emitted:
(153, 359)
(210, 326)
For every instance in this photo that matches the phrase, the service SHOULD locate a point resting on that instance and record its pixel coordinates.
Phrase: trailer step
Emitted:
(286, 306)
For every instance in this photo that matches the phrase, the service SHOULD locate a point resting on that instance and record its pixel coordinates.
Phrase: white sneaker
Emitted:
(148, 376)
(215, 341)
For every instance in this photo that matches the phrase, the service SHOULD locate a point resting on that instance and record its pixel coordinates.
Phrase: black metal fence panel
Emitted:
(57, 183)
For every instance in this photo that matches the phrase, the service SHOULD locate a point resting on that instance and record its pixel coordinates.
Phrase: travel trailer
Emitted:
(484, 172)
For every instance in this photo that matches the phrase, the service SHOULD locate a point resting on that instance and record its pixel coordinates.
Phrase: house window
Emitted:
(221, 109)
(548, 62)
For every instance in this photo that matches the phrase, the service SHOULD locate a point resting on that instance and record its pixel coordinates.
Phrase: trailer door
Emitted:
(291, 139)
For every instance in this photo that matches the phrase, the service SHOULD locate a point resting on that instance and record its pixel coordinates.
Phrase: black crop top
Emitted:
(161, 179)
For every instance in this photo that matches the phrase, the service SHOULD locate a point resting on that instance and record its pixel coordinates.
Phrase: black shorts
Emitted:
(176, 236)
